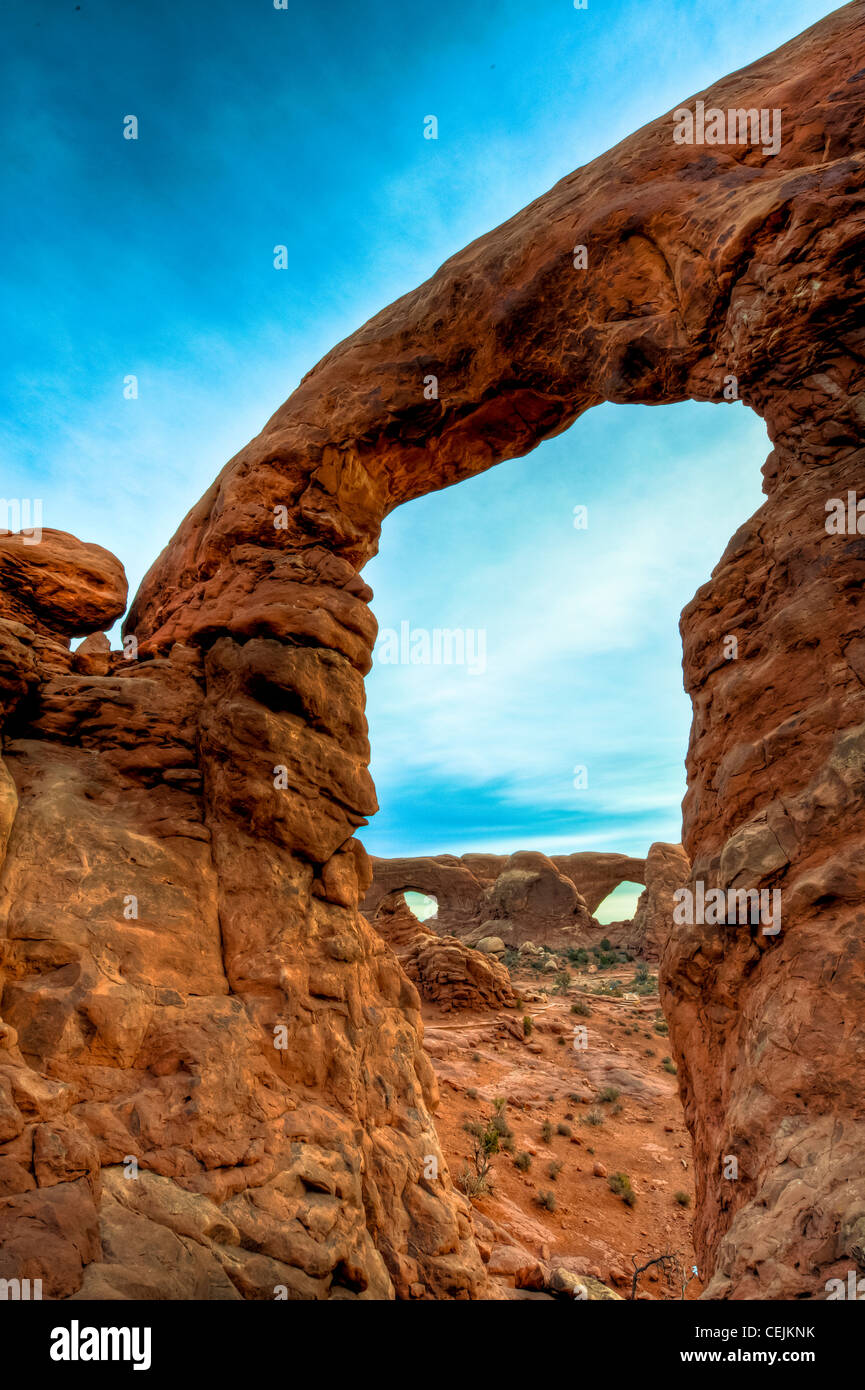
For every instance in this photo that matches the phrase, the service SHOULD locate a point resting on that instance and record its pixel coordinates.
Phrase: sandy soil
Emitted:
(544, 1077)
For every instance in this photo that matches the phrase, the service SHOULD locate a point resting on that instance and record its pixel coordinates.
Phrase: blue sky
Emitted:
(304, 127)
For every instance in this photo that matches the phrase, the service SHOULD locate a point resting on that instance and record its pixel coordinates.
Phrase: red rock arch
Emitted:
(703, 262)
(256, 632)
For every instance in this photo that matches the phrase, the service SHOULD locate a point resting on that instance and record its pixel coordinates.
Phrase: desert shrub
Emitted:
(553, 1169)
(486, 1135)
(662, 1027)
(472, 1184)
(477, 1180)
(499, 1120)
(581, 1008)
(546, 1132)
(472, 1093)
(683, 1199)
(609, 1094)
(523, 1161)
(528, 1025)
(594, 1117)
(564, 1130)
(476, 1056)
(620, 1183)
(547, 1200)
(669, 1065)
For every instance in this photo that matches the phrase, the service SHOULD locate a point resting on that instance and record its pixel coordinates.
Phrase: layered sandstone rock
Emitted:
(520, 897)
(458, 883)
(211, 1076)
(59, 586)
(667, 869)
(445, 970)
(596, 875)
(153, 1037)
(456, 886)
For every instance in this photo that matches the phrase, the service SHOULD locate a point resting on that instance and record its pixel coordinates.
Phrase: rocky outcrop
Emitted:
(662, 271)
(57, 585)
(667, 869)
(459, 883)
(211, 1076)
(520, 897)
(445, 970)
(456, 887)
(595, 875)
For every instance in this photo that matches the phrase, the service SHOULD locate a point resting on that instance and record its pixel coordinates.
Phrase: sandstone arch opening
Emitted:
(481, 892)
(580, 627)
(422, 905)
(620, 904)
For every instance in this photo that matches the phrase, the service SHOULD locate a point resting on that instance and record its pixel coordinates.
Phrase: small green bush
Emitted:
(620, 1183)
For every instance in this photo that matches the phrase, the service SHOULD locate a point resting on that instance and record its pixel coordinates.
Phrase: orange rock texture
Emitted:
(187, 980)
(666, 870)
(518, 897)
(445, 970)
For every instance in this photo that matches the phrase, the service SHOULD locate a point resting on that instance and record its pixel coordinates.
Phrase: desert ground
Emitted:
(579, 1116)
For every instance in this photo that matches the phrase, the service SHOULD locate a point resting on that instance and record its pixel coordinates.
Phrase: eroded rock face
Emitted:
(667, 869)
(457, 888)
(445, 970)
(520, 897)
(59, 586)
(595, 875)
(703, 262)
(211, 1077)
